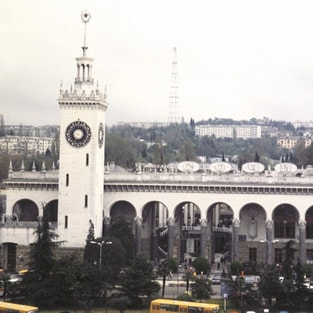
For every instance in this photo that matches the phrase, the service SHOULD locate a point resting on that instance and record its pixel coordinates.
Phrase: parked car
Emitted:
(216, 279)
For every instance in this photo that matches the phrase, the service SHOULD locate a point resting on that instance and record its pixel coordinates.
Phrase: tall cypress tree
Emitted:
(42, 257)
(37, 283)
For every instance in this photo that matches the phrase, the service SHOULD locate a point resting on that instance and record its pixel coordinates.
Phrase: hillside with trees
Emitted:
(126, 145)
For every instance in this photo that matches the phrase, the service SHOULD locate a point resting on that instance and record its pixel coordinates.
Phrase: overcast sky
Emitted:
(236, 59)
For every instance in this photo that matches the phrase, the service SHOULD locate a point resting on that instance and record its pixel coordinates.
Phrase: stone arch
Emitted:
(252, 221)
(220, 214)
(52, 207)
(25, 210)
(154, 235)
(156, 213)
(187, 213)
(187, 230)
(220, 217)
(285, 219)
(123, 209)
(309, 223)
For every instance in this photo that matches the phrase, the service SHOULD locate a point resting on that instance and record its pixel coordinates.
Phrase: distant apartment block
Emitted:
(229, 131)
(144, 125)
(269, 131)
(303, 124)
(27, 146)
(30, 131)
(291, 142)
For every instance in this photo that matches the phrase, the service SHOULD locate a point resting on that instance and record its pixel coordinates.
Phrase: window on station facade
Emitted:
(285, 218)
(252, 254)
(309, 224)
(309, 256)
(278, 256)
(11, 266)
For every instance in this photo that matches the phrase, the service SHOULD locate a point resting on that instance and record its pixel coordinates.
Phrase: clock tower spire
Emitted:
(84, 63)
(81, 169)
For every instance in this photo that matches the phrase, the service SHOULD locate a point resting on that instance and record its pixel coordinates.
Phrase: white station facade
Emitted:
(176, 210)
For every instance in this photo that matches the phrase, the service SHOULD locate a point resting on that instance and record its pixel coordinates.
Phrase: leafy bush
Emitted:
(201, 264)
(236, 268)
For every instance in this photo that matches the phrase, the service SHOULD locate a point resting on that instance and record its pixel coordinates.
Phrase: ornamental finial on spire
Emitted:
(85, 16)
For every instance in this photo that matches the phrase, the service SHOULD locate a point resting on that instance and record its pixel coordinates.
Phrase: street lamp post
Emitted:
(100, 244)
(225, 302)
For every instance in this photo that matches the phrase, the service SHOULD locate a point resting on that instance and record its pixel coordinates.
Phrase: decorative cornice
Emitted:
(205, 188)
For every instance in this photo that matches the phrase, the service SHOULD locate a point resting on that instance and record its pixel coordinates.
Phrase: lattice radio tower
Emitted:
(173, 107)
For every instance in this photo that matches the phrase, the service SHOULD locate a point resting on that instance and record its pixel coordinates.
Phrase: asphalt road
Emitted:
(176, 286)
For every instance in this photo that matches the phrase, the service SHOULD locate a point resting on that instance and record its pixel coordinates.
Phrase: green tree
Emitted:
(42, 252)
(242, 295)
(201, 265)
(66, 272)
(4, 165)
(187, 151)
(201, 288)
(120, 304)
(139, 280)
(188, 277)
(37, 282)
(88, 286)
(165, 268)
(270, 287)
(293, 277)
(112, 258)
(120, 229)
(236, 268)
(122, 151)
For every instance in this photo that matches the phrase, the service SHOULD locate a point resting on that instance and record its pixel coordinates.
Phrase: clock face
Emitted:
(100, 135)
(78, 134)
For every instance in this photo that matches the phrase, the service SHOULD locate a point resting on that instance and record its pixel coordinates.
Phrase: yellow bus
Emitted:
(167, 305)
(7, 307)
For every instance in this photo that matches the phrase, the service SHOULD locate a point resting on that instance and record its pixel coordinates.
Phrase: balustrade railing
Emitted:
(222, 229)
(11, 221)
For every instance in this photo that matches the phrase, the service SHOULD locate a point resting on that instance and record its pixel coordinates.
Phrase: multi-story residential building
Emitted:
(27, 130)
(27, 146)
(291, 142)
(303, 124)
(144, 125)
(229, 131)
(269, 131)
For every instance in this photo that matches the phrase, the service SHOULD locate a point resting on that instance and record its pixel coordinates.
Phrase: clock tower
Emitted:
(81, 168)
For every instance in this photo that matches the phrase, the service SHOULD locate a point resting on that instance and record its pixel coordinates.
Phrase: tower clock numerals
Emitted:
(78, 134)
